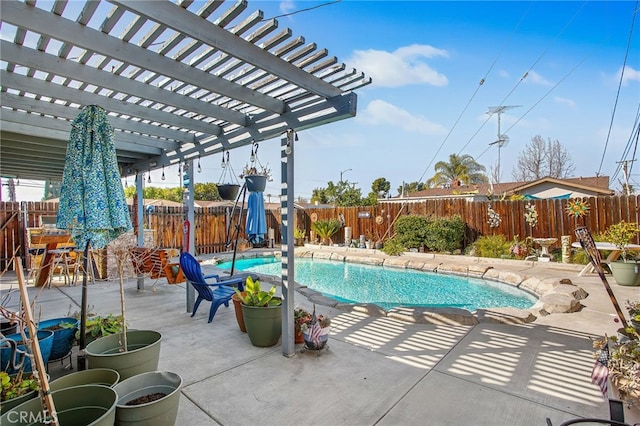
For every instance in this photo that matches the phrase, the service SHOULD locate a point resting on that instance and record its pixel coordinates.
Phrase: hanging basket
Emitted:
(256, 183)
(228, 191)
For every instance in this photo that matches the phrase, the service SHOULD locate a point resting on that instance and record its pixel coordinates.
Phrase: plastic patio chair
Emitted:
(218, 292)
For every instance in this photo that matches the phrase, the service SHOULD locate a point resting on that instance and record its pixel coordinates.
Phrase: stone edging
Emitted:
(555, 295)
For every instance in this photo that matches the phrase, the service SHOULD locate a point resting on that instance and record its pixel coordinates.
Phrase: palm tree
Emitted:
(462, 168)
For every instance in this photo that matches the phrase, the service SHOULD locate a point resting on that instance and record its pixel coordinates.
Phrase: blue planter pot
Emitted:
(45, 338)
(62, 337)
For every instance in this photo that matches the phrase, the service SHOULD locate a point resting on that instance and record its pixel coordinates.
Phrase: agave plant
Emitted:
(326, 228)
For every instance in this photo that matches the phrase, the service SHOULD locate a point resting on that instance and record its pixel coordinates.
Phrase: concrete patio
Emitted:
(377, 370)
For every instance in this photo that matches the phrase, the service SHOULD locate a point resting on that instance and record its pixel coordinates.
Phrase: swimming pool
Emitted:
(391, 287)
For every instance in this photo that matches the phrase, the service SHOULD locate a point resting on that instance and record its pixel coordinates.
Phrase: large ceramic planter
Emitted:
(96, 376)
(228, 192)
(237, 306)
(62, 337)
(10, 403)
(626, 273)
(161, 412)
(45, 339)
(142, 355)
(93, 405)
(256, 183)
(264, 324)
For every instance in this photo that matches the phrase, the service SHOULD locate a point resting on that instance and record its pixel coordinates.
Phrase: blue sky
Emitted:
(427, 59)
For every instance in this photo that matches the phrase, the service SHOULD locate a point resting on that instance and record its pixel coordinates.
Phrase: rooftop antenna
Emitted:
(503, 140)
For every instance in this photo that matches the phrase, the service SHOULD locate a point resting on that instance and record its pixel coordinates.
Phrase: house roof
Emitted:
(178, 81)
(599, 184)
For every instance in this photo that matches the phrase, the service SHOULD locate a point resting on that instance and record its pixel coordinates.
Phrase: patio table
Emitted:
(51, 242)
(614, 254)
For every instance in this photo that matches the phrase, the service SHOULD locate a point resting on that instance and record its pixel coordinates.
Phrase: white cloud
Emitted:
(536, 78)
(503, 74)
(287, 6)
(629, 75)
(402, 67)
(570, 103)
(379, 112)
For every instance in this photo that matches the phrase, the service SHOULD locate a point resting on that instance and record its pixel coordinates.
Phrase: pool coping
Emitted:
(555, 295)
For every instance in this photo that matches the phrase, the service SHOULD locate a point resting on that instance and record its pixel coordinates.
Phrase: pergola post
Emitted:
(286, 246)
(140, 222)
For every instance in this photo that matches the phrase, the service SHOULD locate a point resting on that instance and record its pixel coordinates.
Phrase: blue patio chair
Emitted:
(218, 292)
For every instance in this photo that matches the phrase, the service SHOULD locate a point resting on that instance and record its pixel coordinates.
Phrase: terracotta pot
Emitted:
(237, 305)
(299, 337)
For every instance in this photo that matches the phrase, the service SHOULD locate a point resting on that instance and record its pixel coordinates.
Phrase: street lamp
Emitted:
(342, 172)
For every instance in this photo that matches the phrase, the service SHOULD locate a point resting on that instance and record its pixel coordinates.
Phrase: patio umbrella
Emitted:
(92, 203)
(256, 225)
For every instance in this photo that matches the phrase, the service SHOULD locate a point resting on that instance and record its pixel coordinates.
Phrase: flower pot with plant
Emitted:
(262, 312)
(16, 389)
(326, 228)
(316, 331)
(301, 319)
(255, 175)
(298, 236)
(626, 271)
(228, 185)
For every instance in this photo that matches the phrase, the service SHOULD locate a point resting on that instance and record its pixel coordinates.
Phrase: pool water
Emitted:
(391, 287)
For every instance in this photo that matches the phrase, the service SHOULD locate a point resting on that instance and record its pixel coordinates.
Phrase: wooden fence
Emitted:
(211, 224)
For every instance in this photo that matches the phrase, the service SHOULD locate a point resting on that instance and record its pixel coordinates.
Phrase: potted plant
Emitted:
(129, 352)
(64, 330)
(262, 312)
(627, 270)
(16, 389)
(301, 317)
(255, 175)
(45, 340)
(316, 331)
(228, 187)
(326, 228)
(298, 236)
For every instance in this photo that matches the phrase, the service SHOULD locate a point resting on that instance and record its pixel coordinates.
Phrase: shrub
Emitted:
(445, 235)
(393, 247)
(411, 231)
(492, 246)
(325, 228)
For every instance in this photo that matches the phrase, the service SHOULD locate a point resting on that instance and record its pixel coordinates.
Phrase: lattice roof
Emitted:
(178, 82)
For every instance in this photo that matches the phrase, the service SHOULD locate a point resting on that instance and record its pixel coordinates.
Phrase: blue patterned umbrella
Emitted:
(256, 225)
(92, 203)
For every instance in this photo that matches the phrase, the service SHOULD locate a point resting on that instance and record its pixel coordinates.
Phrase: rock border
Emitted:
(555, 295)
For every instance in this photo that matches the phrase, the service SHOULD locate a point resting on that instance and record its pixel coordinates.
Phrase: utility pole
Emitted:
(625, 170)
(502, 139)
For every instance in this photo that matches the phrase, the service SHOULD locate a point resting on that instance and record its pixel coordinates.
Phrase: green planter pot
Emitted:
(143, 353)
(161, 412)
(264, 324)
(626, 273)
(96, 376)
(79, 405)
(10, 403)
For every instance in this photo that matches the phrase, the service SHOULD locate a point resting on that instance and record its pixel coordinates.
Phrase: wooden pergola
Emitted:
(178, 83)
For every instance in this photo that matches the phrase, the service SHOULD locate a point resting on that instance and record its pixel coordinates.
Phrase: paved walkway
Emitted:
(377, 370)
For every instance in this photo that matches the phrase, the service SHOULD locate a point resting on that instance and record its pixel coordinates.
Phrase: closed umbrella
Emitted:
(256, 226)
(92, 203)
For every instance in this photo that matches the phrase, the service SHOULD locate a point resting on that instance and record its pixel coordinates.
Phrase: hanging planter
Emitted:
(255, 175)
(228, 191)
(255, 183)
(228, 185)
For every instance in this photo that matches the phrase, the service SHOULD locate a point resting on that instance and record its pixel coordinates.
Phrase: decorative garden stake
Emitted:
(494, 218)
